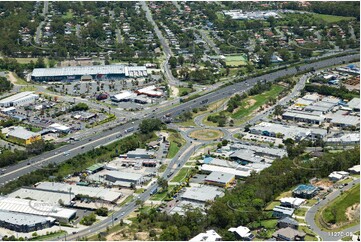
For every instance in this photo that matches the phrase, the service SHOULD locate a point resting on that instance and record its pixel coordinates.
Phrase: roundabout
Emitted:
(206, 134)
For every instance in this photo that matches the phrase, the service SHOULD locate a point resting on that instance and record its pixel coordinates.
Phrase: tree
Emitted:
(180, 60)
(139, 202)
(88, 220)
(80, 107)
(5, 85)
(103, 211)
(40, 63)
(150, 125)
(171, 233)
(173, 62)
(163, 183)
(278, 110)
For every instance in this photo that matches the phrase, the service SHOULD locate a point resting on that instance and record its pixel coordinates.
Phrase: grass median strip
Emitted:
(181, 175)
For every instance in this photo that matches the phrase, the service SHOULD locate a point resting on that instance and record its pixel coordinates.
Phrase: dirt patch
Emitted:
(325, 184)
(175, 91)
(128, 234)
(353, 212)
(12, 78)
(250, 103)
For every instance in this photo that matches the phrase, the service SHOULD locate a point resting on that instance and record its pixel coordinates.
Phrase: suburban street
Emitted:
(166, 49)
(57, 156)
(15, 171)
(310, 216)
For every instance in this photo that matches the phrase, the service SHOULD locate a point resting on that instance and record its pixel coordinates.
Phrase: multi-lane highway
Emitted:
(98, 139)
(57, 156)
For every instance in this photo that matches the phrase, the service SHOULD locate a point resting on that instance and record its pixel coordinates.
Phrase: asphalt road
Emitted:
(176, 163)
(98, 139)
(166, 49)
(105, 137)
(327, 236)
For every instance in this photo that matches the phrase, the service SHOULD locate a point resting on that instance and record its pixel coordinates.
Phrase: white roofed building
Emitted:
(151, 91)
(338, 175)
(243, 233)
(59, 128)
(26, 206)
(201, 194)
(124, 96)
(96, 72)
(210, 235)
(292, 202)
(20, 99)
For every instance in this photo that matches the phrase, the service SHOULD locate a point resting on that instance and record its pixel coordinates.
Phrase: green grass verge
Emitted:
(311, 202)
(176, 142)
(348, 180)
(335, 212)
(48, 237)
(160, 196)
(140, 190)
(181, 175)
(162, 168)
(301, 212)
(128, 199)
(187, 123)
(28, 89)
(259, 100)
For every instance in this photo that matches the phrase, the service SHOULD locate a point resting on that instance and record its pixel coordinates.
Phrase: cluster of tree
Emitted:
(8, 122)
(185, 116)
(202, 76)
(220, 118)
(103, 212)
(149, 125)
(244, 204)
(88, 220)
(8, 157)
(16, 16)
(234, 102)
(80, 107)
(351, 9)
(340, 92)
(80, 162)
(318, 79)
(38, 147)
(260, 88)
(5, 85)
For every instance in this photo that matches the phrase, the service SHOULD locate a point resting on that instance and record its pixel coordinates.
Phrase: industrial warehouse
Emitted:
(87, 73)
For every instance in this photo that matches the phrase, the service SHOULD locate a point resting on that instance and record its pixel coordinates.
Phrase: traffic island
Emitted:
(206, 134)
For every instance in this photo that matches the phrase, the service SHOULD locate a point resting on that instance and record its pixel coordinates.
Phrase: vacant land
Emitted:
(335, 212)
(272, 205)
(332, 18)
(251, 103)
